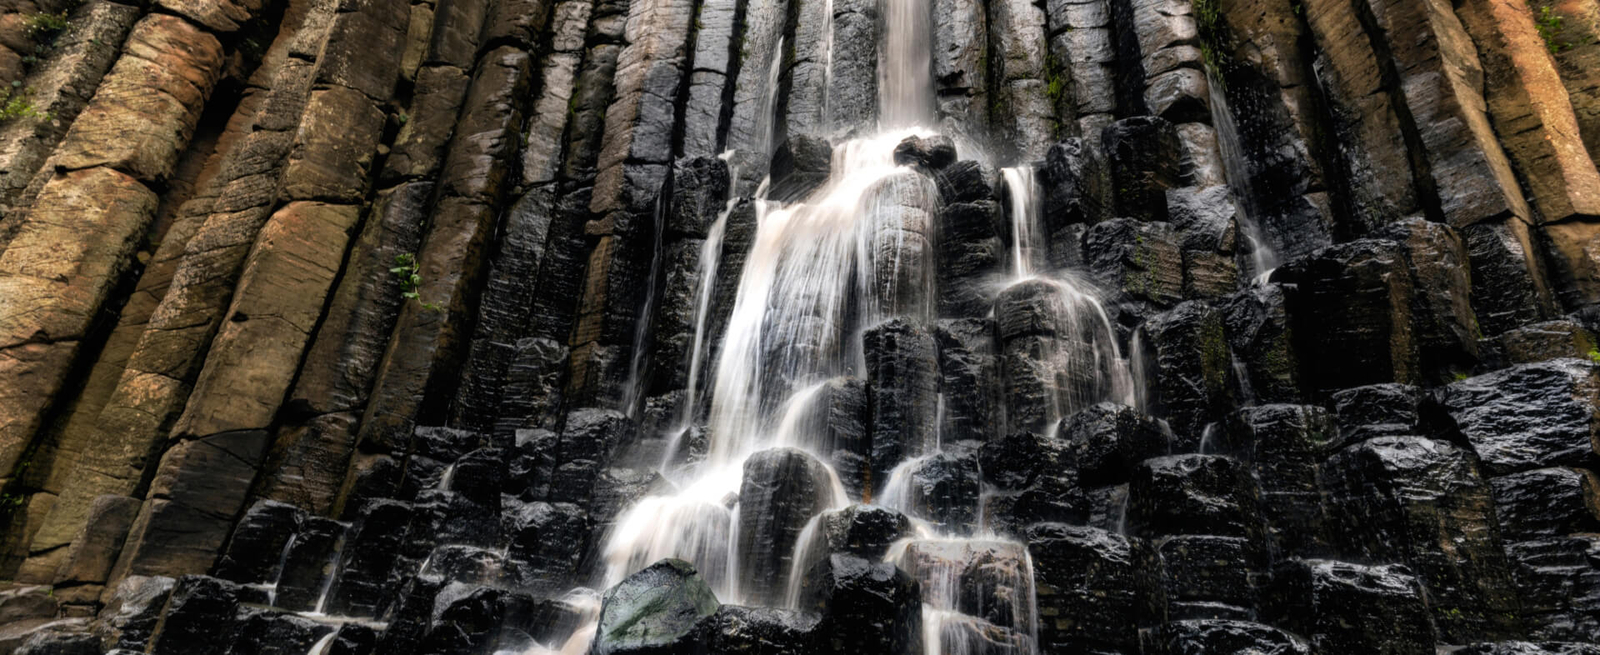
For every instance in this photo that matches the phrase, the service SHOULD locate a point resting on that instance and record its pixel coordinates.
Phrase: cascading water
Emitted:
(855, 252)
(1085, 362)
(1235, 167)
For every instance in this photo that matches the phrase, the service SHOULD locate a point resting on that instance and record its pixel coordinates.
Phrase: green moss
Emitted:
(1594, 355)
(1550, 23)
(14, 104)
(42, 26)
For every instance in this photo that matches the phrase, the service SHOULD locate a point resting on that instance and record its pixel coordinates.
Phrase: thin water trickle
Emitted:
(1236, 169)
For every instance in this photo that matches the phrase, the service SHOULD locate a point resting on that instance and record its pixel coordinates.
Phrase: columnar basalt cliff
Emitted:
(967, 327)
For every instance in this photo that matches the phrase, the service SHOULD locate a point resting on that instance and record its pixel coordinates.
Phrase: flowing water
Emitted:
(856, 251)
(1263, 259)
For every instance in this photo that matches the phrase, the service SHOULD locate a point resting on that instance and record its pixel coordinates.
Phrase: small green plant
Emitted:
(410, 280)
(1549, 24)
(41, 26)
(14, 104)
(1594, 355)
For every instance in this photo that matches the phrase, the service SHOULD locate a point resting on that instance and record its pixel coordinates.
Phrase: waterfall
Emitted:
(1088, 363)
(1236, 168)
(905, 72)
(1025, 228)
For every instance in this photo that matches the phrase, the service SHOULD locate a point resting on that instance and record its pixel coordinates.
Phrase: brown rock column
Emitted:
(222, 435)
(130, 134)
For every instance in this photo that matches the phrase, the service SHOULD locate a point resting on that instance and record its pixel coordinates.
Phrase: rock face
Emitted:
(973, 327)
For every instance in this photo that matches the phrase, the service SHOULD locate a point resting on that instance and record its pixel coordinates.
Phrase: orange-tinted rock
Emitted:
(142, 116)
(1530, 110)
(54, 277)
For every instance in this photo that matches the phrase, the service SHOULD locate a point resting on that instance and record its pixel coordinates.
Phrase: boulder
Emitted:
(1531, 648)
(989, 580)
(656, 610)
(202, 616)
(931, 153)
(129, 617)
(1107, 441)
(1444, 326)
(1286, 446)
(800, 165)
(1139, 259)
(764, 630)
(1193, 371)
(863, 530)
(1558, 580)
(1256, 322)
(942, 489)
(1547, 503)
(548, 540)
(1145, 156)
(902, 391)
(1210, 577)
(1378, 410)
(969, 378)
(1352, 312)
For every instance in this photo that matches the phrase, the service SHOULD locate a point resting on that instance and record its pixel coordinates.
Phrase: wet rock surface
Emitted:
(991, 328)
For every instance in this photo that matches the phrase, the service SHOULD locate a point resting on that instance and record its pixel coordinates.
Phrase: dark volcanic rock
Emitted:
(1075, 183)
(1558, 579)
(783, 488)
(1225, 637)
(1139, 259)
(1421, 501)
(942, 489)
(902, 390)
(1194, 494)
(866, 607)
(201, 617)
(1107, 441)
(992, 578)
(1095, 588)
(1256, 321)
(1286, 446)
(1352, 311)
(1193, 369)
(1529, 416)
(656, 610)
(761, 631)
(1145, 155)
(863, 530)
(1210, 577)
(1547, 503)
(800, 165)
(1378, 410)
(1350, 608)
(931, 153)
